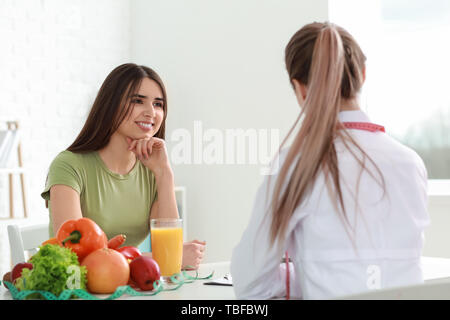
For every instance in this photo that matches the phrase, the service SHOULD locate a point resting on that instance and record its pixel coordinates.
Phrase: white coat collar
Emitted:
(353, 116)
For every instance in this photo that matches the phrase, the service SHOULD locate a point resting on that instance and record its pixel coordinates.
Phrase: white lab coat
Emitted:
(388, 231)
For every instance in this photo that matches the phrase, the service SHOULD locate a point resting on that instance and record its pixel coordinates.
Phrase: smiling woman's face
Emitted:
(147, 114)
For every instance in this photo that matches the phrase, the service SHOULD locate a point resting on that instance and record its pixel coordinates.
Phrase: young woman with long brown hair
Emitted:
(349, 203)
(117, 171)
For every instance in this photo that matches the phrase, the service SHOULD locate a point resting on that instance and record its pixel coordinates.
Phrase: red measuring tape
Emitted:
(366, 126)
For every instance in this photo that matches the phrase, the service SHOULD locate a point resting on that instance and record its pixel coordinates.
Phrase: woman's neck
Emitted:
(116, 155)
(350, 105)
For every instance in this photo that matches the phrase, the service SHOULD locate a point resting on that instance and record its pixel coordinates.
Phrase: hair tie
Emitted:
(348, 51)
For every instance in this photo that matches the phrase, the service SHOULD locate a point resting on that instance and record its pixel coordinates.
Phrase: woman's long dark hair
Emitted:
(113, 104)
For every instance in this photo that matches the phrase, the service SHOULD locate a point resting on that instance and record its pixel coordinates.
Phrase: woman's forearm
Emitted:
(167, 204)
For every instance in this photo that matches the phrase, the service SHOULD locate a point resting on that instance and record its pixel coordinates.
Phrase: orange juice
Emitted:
(167, 249)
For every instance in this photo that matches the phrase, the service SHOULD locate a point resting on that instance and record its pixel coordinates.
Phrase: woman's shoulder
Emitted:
(144, 171)
(73, 159)
(279, 159)
(384, 148)
(403, 152)
(274, 168)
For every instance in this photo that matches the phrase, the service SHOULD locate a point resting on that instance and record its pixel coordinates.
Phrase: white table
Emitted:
(195, 290)
(434, 269)
(188, 291)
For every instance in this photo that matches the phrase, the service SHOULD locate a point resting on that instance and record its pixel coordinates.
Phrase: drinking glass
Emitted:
(167, 245)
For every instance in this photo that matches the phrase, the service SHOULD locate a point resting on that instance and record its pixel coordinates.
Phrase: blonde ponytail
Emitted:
(317, 57)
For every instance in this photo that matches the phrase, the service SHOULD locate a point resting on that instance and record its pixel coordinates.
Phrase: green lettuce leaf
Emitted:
(54, 269)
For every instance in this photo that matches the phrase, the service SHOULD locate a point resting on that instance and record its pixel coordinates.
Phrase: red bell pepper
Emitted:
(83, 236)
(130, 252)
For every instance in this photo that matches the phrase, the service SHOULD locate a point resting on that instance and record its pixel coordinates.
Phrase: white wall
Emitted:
(223, 64)
(437, 235)
(54, 56)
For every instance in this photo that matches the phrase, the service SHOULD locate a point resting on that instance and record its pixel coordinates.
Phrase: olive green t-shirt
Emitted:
(119, 204)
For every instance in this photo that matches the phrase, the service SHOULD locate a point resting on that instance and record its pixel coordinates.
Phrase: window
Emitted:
(407, 87)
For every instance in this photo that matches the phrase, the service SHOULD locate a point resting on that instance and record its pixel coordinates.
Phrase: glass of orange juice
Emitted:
(167, 245)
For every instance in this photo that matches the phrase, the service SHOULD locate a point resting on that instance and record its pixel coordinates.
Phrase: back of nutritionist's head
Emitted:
(322, 58)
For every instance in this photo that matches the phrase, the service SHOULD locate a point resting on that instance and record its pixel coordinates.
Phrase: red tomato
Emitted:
(130, 252)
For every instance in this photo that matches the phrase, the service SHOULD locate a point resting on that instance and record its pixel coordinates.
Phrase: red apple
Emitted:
(144, 271)
(132, 284)
(17, 270)
(7, 277)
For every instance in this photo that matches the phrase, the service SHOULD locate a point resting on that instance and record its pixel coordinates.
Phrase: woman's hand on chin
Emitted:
(152, 152)
(193, 253)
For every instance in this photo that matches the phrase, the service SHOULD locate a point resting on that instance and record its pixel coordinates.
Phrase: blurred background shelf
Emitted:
(9, 144)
